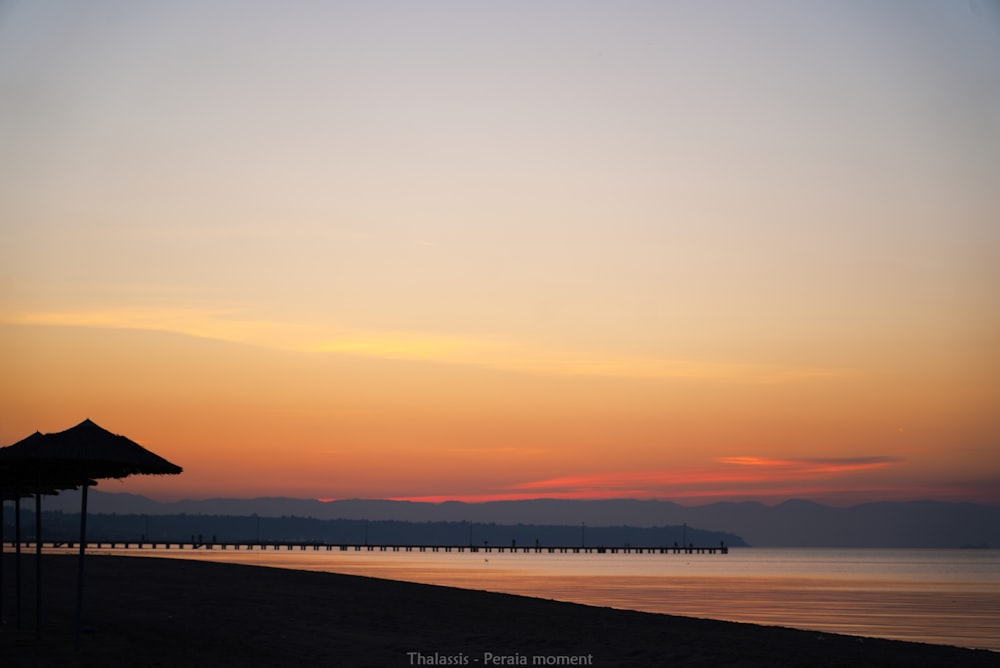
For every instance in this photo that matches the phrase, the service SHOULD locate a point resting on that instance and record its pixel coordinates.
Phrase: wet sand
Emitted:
(165, 612)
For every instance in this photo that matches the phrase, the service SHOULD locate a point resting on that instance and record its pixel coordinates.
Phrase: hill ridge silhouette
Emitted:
(793, 523)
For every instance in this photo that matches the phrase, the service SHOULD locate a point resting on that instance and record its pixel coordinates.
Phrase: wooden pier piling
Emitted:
(356, 547)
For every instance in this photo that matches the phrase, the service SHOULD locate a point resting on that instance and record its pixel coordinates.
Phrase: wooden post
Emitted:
(79, 568)
(38, 564)
(3, 505)
(17, 557)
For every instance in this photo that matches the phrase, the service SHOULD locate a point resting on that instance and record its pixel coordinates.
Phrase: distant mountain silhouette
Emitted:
(795, 523)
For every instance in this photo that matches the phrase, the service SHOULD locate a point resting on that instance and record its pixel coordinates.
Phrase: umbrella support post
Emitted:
(3, 517)
(17, 558)
(38, 565)
(79, 572)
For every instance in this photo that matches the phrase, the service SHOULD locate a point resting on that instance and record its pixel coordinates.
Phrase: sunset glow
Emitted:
(689, 251)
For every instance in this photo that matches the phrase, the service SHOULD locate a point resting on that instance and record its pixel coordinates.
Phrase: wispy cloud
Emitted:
(739, 476)
(813, 466)
(233, 325)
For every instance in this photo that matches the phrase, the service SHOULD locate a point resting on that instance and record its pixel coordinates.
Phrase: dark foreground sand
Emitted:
(165, 612)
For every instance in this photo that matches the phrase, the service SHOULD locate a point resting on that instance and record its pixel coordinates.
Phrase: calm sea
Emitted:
(938, 596)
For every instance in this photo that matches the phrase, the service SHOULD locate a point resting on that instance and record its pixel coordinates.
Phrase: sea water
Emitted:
(938, 596)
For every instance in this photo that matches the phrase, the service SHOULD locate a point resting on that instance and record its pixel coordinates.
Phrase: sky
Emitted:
(695, 251)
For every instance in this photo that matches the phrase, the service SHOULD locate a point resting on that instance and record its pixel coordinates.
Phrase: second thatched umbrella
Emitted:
(19, 479)
(73, 458)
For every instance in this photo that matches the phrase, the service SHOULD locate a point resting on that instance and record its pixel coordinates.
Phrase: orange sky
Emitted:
(638, 250)
(245, 420)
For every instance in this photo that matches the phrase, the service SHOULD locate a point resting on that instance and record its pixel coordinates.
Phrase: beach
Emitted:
(167, 612)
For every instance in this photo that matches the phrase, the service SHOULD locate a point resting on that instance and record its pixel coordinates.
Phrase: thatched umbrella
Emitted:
(71, 459)
(9, 492)
(12, 491)
(16, 483)
(89, 451)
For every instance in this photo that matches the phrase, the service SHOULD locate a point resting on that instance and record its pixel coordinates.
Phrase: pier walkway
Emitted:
(355, 547)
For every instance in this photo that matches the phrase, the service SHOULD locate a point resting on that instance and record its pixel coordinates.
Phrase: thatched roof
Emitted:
(67, 459)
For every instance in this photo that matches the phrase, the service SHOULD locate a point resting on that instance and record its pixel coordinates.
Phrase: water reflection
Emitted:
(942, 596)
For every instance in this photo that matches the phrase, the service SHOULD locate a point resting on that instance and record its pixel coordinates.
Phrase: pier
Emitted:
(358, 547)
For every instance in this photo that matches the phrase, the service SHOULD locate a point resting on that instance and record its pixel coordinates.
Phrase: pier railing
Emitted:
(357, 547)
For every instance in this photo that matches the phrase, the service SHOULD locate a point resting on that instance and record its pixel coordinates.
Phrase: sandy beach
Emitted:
(164, 612)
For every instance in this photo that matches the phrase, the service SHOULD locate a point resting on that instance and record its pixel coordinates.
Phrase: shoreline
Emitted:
(153, 611)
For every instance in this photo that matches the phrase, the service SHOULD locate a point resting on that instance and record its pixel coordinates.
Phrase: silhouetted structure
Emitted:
(70, 459)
